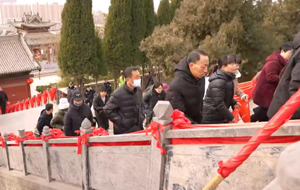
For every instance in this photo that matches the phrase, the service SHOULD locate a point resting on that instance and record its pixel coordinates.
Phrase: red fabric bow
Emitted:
(154, 127)
(32, 100)
(29, 135)
(27, 104)
(99, 132)
(82, 140)
(19, 139)
(179, 119)
(2, 142)
(46, 138)
(56, 133)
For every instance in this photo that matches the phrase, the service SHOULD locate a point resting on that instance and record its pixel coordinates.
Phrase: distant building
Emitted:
(11, 11)
(43, 44)
(16, 64)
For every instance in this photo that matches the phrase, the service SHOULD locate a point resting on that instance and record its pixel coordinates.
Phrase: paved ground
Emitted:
(10, 123)
(43, 81)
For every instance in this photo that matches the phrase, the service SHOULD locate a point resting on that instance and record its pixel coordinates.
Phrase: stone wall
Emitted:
(140, 167)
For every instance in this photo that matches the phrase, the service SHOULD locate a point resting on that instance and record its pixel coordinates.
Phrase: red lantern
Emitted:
(29, 81)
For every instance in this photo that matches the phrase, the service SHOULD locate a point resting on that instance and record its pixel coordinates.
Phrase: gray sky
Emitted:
(101, 5)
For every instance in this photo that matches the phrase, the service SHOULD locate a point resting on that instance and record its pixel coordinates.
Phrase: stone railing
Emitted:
(140, 167)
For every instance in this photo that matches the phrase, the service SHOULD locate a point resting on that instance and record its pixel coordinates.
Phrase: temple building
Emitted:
(42, 43)
(16, 64)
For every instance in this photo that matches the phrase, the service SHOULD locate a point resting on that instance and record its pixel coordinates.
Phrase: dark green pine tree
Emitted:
(164, 12)
(100, 68)
(87, 34)
(138, 30)
(77, 46)
(117, 40)
(175, 4)
(150, 17)
(69, 57)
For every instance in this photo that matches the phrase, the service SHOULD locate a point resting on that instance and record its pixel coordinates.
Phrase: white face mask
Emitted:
(137, 83)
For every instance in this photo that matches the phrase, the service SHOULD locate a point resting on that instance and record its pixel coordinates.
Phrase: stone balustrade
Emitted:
(55, 164)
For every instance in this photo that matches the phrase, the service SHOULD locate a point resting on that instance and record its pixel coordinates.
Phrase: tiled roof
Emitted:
(15, 56)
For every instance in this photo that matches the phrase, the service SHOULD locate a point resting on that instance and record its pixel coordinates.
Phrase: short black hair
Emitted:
(103, 89)
(157, 84)
(88, 86)
(128, 71)
(227, 59)
(49, 107)
(286, 47)
(194, 56)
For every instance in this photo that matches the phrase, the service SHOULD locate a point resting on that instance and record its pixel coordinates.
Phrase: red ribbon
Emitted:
(281, 117)
(82, 140)
(2, 142)
(179, 119)
(19, 139)
(155, 127)
(46, 138)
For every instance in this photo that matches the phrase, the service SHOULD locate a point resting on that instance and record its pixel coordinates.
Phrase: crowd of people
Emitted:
(205, 95)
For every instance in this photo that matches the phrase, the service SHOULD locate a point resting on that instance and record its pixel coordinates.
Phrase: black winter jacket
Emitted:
(74, 118)
(99, 105)
(124, 109)
(90, 94)
(186, 92)
(70, 93)
(3, 98)
(44, 120)
(107, 86)
(150, 99)
(289, 82)
(219, 97)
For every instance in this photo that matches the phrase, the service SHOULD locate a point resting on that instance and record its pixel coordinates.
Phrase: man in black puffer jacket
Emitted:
(124, 108)
(187, 88)
(77, 112)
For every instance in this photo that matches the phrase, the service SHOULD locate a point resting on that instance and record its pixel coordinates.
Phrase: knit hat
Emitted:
(63, 104)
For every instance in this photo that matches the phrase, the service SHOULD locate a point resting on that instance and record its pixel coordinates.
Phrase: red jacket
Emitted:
(268, 80)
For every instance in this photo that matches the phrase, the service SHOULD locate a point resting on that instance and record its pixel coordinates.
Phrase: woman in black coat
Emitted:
(99, 103)
(152, 96)
(220, 92)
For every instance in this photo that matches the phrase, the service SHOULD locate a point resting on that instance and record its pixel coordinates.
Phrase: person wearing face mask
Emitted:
(77, 112)
(124, 108)
(268, 82)
(186, 91)
(153, 95)
(220, 92)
